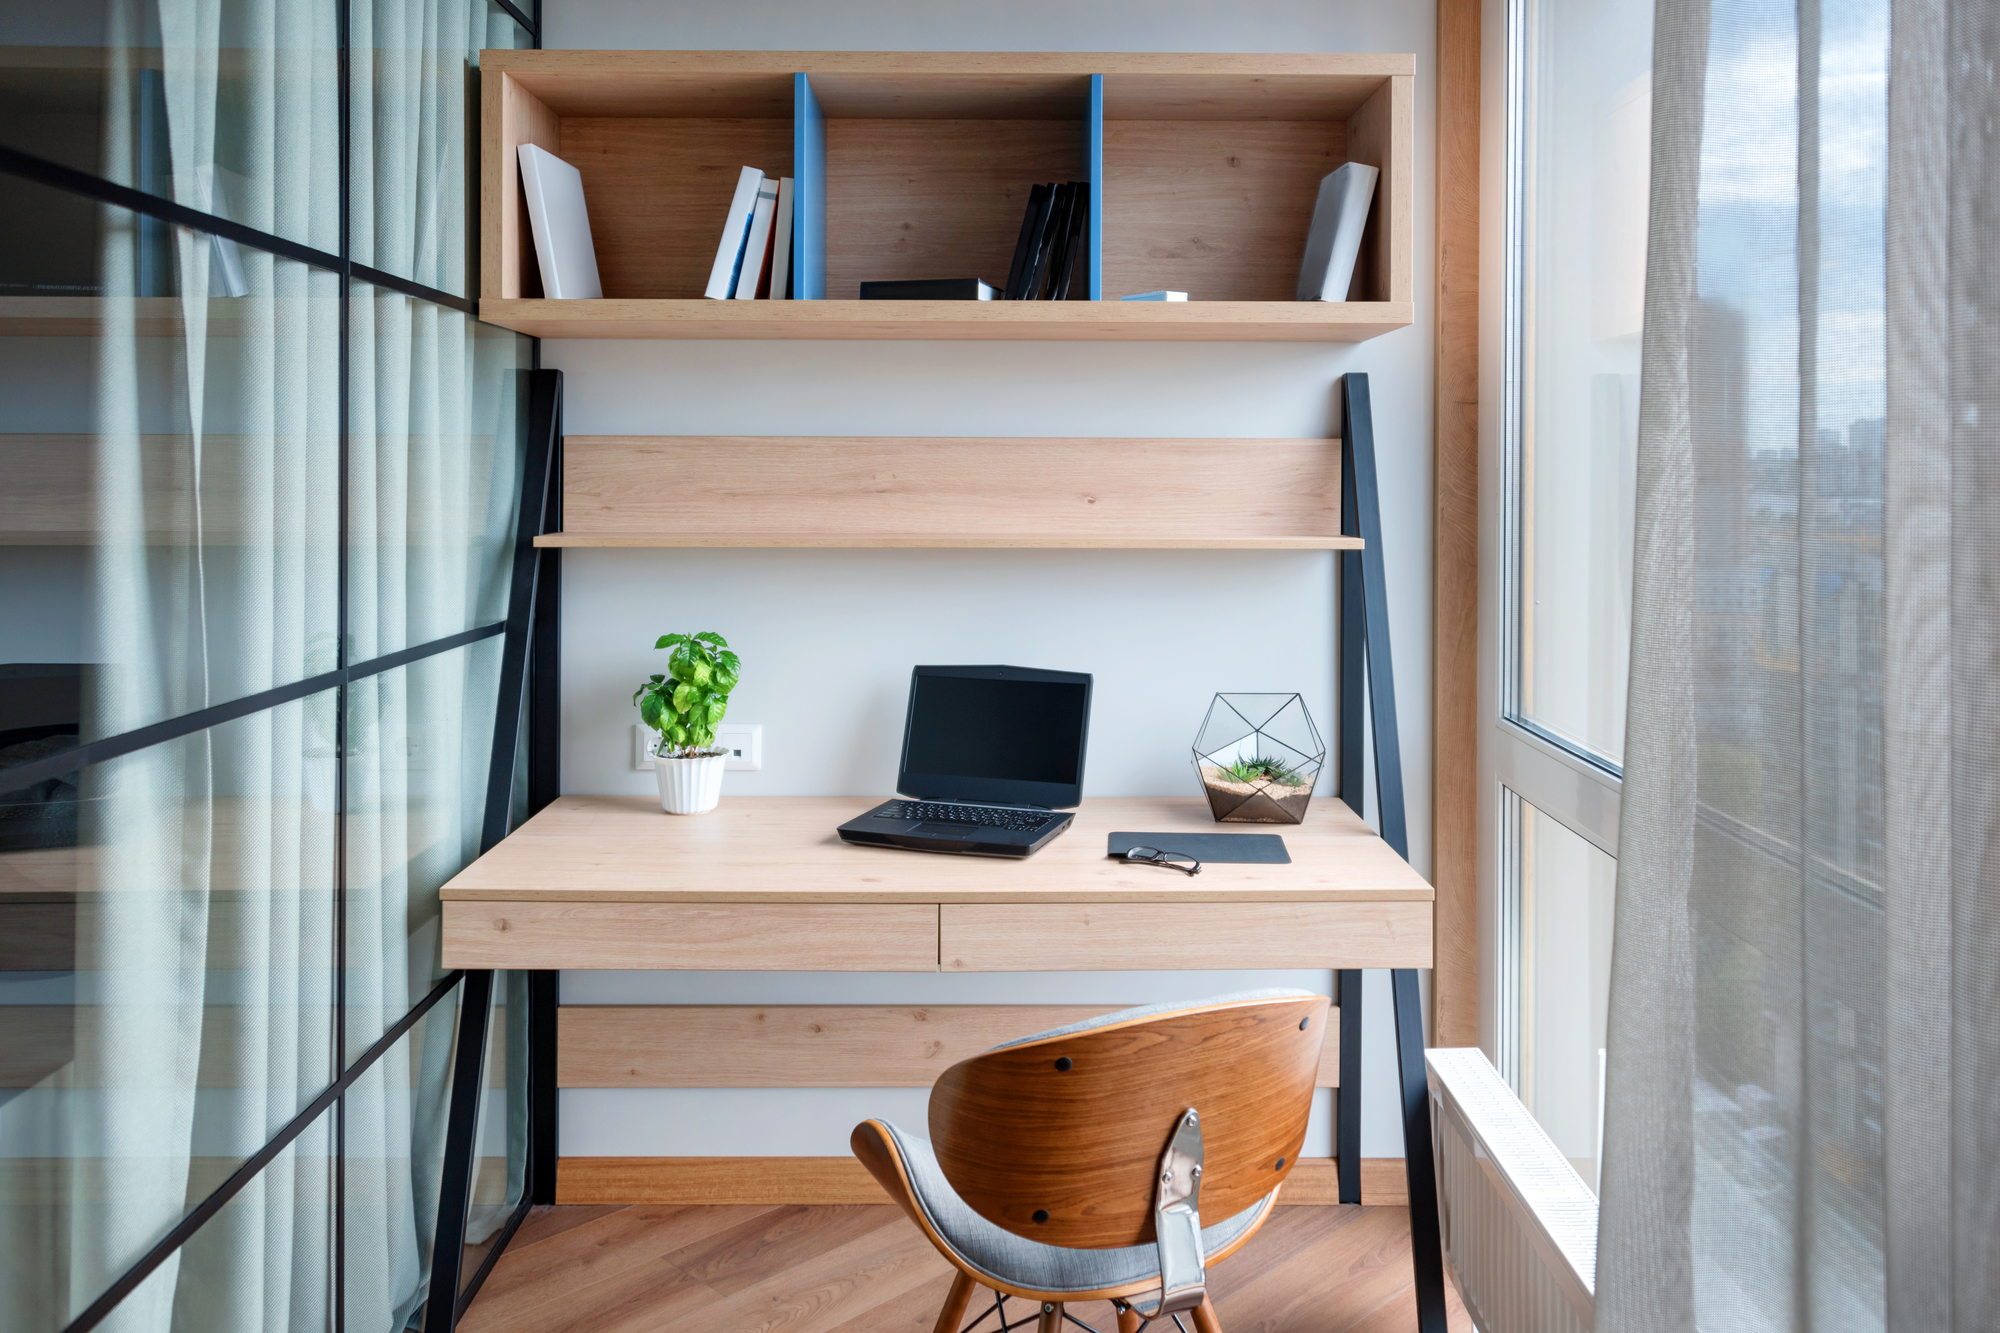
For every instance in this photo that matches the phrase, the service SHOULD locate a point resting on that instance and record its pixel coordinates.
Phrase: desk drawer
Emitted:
(779, 937)
(1090, 937)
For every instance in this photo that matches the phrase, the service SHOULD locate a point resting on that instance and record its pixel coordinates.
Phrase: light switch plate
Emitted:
(746, 745)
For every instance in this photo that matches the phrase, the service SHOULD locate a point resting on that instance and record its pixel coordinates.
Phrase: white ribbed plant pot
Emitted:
(690, 786)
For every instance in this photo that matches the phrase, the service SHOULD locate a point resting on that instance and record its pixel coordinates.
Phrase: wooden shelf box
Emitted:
(915, 165)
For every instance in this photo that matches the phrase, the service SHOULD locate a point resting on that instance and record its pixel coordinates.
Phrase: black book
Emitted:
(928, 289)
(1079, 224)
(1048, 256)
(1033, 219)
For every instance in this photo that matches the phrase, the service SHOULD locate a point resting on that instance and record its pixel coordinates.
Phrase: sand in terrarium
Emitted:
(1254, 802)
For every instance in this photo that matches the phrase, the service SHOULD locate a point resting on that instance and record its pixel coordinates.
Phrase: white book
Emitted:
(781, 241)
(554, 193)
(757, 250)
(1156, 296)
(1339, 216)
(735, 233)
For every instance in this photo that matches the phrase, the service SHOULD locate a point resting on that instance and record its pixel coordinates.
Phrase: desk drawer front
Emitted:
(1090, 937)
(783, 937)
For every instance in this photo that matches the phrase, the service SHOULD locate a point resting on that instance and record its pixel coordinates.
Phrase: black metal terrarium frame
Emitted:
(1258, 756)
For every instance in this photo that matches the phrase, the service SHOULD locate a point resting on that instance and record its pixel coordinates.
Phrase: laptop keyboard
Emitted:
(985, 816)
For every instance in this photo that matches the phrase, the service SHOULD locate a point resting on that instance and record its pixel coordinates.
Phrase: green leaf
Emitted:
(683, 695)
(669, 640)
(725, 679)
(730, 660)
(710, 636)
(702, 672)
(652, 711)
(678, 734)
(717, 706)
(657, 679)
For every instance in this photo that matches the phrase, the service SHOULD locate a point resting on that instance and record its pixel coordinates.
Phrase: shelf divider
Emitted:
(809, 190)
(1093, 172)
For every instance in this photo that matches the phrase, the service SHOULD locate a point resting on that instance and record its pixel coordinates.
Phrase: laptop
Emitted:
(990, 754)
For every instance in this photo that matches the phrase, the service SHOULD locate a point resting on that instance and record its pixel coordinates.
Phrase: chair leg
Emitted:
(952, 1316)
(1204, 1317)
(1128, 1319)
(1051, 1320)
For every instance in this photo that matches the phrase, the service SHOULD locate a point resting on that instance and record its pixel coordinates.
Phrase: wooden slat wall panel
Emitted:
(658, 190)
(934, 198)
(1217, 209)
(1383, 134)
(1091, 937)
(792, 937)
(802, 1046)
(913, 485)
(514, 116)
(836, 1180)
(1455, 581)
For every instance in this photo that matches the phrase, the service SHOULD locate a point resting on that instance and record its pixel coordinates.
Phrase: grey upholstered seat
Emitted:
(1008, 1260)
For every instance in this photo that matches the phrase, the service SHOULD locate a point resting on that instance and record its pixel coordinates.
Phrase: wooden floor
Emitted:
(864, 1269)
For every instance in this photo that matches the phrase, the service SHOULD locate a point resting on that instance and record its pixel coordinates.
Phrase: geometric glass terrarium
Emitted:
(1258, 756)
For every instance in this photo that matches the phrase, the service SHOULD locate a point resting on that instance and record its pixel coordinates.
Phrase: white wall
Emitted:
(828, 637)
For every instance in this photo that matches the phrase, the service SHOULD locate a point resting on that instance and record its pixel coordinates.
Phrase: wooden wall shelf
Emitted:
(922, 492)
(916, 164)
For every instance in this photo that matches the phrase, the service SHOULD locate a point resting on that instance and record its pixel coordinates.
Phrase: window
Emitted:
(1579, 115)
(255, 547)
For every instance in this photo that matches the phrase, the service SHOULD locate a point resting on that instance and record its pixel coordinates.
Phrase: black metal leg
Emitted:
(1426, 1247)
(460, 1136)
(1347, 1123)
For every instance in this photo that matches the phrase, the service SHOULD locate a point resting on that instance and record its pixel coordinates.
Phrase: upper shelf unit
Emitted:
(1203, 170)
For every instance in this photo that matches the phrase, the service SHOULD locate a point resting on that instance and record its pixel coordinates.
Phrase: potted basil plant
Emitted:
(684, 705)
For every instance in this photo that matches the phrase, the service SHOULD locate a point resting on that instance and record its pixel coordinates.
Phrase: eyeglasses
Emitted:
(1171, 860)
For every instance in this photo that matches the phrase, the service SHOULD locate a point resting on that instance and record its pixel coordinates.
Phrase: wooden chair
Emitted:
(1112, 1159)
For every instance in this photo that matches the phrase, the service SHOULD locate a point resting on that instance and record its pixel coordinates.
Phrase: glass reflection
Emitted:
(166, 990)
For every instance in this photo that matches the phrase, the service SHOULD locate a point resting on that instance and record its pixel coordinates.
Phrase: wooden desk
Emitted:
(763, 884)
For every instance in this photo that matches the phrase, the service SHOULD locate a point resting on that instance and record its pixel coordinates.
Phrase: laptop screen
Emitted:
(1003, 734)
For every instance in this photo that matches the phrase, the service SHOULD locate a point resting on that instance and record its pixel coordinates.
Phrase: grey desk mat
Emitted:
(1219, 848)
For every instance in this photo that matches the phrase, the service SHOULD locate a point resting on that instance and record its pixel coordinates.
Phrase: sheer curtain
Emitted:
(1800, 1125)
(206, 963)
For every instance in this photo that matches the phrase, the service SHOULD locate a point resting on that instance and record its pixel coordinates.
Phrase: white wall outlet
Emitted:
(643, 740)
(746, 744)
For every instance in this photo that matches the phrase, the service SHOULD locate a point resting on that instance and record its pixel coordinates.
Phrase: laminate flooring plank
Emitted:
(783, 1238)
(548, 1272)
(1289, 1232)
(915, 1311)
(827, 1291)
(638, 1299)
(1398, 1314)
(1331, 1285)
(547, 1220)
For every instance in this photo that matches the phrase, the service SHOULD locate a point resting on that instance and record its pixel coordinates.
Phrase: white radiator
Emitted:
(1519, 1226)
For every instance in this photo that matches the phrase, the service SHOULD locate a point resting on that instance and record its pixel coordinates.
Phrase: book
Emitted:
(1073, 236)
(753, 275)
(1340, 215)
(1155, 296)
(735, 234)
(1053, 229)
(1032, 219)
(781, 241)
(929, 289)
(553, 190)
